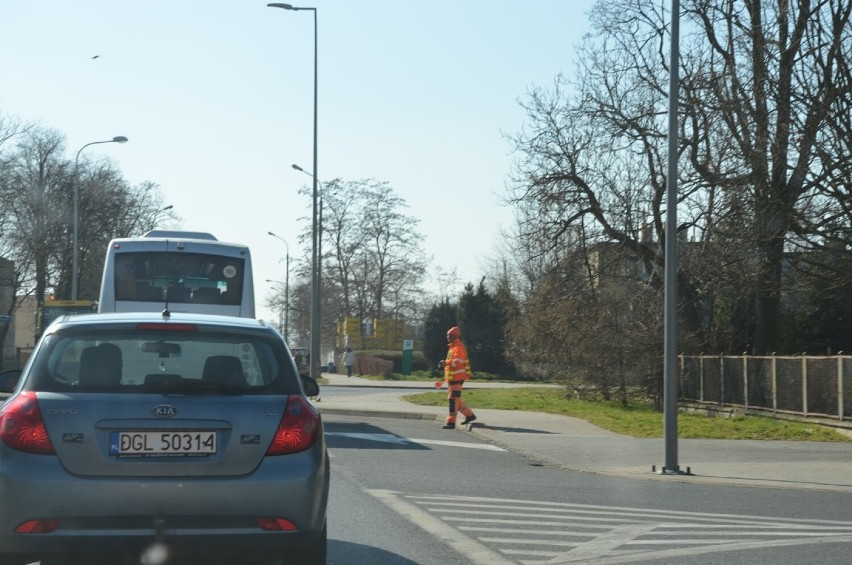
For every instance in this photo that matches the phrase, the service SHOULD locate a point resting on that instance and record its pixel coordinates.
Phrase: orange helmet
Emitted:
(453, 333)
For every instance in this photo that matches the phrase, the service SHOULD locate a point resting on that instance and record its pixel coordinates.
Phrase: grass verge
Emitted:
(637, 420)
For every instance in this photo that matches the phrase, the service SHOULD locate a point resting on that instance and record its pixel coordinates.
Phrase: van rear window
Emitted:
(178, 277)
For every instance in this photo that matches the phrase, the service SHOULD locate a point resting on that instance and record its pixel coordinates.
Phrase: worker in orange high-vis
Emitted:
(456, 372)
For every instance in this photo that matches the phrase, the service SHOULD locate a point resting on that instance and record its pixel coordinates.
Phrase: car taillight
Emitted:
(276, 524)
(298, 429)
(41, 526)
(22, 427)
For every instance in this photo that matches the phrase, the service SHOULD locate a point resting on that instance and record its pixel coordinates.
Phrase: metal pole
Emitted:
(76, 219)
(315, 295)
(670, 339)
(286, 327)
(317, 240)
(315, 275)
(287, 302)
(75, 228)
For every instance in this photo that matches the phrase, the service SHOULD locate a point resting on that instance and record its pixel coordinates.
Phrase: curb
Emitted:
(378, 413)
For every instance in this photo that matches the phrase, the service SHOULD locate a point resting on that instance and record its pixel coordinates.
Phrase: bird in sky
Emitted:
(95, 57)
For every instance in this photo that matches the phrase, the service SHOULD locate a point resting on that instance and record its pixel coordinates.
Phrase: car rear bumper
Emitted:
(183, 512)
(214, 545)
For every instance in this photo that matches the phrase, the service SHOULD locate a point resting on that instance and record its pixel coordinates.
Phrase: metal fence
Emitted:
(801, 385)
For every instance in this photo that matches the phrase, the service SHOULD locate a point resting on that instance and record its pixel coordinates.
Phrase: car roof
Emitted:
(80, 321)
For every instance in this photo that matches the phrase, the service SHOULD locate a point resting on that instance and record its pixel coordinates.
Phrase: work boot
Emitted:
(469, 419)
(449, 426)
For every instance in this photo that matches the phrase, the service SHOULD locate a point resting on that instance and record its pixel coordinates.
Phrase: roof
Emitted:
(157, 317)
(174, 234)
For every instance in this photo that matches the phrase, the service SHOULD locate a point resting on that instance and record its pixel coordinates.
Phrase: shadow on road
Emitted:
(347, 553)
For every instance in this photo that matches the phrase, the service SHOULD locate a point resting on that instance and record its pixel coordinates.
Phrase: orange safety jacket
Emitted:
(457, 365)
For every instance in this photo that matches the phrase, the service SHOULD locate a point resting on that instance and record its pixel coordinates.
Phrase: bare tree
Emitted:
(371, 252)
(36, 193)
(777, 76)
(392, 245)
(111, 208)
(10, 128)
(343, 236)
(764, 125)
(371, 259)
(33, 192)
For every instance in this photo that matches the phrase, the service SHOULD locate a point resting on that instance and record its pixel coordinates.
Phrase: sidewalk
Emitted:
(575, 444)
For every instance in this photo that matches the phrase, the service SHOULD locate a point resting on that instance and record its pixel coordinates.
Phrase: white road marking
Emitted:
(483, 446)
(473, 551)
(391, 438)
(384, 438)
(608, 542)
(551, 533)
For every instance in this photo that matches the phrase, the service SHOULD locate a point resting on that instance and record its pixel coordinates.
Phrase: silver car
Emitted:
(154, 437)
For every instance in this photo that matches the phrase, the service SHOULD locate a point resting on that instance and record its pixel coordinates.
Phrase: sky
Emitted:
(216, 100)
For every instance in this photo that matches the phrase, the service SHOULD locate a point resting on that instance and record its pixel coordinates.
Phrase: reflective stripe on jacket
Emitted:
(457, 365)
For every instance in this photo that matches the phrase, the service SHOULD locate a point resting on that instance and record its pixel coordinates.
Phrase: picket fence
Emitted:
(809, 386)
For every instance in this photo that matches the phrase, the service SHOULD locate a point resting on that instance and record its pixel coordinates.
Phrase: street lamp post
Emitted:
(76, 220)
(315, 282)
(156, 218)
(670, 307)
(286, 290)
(318, 231)
(280, 310)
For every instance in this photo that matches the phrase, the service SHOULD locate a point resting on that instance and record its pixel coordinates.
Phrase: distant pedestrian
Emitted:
(349, 361)
(456, 372)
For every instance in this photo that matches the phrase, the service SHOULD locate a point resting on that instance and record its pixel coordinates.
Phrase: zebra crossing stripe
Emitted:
(551, 533)
(473, 551)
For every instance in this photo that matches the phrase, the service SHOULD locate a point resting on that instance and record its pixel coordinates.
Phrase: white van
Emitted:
(179, 270)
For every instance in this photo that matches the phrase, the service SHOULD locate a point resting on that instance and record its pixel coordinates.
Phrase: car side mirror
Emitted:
(9, 380)
(310, 385)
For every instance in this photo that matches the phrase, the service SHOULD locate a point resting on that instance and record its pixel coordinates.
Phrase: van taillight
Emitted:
(22, 427)
(298, 429)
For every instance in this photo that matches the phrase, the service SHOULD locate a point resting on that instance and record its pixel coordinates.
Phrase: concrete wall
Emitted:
(25, 322)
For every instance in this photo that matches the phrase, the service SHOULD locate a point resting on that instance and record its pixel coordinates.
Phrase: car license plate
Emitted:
(184, 443)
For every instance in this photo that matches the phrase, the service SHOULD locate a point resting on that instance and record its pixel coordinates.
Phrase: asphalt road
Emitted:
(404, 491)
(429, 493)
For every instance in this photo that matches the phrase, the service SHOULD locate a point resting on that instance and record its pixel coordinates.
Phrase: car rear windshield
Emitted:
(180, 362)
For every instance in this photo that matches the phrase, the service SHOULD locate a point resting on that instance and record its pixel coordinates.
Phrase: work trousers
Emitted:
(455, 403)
